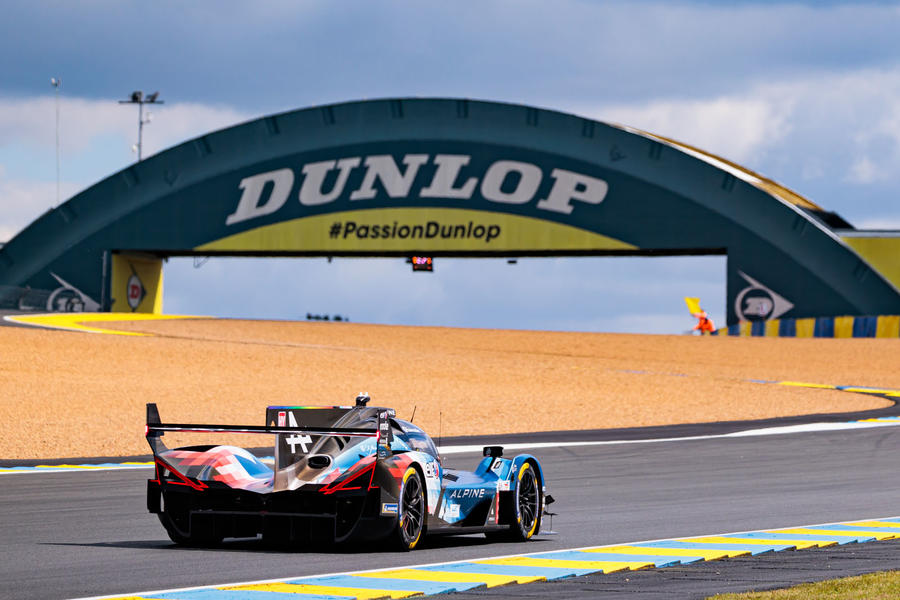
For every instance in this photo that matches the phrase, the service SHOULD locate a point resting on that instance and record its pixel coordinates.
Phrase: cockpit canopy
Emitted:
(416, 438)
(295, 446)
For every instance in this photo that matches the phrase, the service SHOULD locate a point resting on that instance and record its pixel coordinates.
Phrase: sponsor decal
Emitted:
(282, 418)
(502, 486)
(431, 470)
(294, 439)
(450, 511)
(414, 230)
(467, 493)
(384, 437)
(389, 508)
(502, 182)
(402, 231)
(134, 290)
(68, 298)
(756, 302)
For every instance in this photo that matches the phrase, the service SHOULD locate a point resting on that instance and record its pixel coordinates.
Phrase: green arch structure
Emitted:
(442, 177)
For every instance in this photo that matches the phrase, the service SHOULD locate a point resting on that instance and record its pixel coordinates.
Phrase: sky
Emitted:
(806, 93)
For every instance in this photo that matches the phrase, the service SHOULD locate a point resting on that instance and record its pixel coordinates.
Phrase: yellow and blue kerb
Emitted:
(543, 566)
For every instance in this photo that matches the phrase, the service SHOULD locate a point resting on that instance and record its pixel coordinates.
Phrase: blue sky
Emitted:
(805, 93)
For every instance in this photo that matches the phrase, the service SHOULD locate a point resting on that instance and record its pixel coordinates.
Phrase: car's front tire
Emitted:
(528, 501)
(411, 508)
(527, 504)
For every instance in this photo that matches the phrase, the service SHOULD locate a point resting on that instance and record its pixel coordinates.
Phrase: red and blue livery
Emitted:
(340, 473)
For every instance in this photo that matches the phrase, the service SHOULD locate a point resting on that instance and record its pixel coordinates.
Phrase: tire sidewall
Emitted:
(404, 540)
(523, 533)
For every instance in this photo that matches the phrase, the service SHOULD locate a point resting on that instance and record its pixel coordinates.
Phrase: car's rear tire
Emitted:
(200, 538)
(527, 504)
(411, 512)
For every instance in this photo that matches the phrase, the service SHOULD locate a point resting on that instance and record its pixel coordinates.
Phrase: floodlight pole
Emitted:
(137, 97)
(55, 81)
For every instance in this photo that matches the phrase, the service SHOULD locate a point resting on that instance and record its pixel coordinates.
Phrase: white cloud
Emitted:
(24, 201)
(884, 223)
(863, 170)
(837, 125)
(812, 169)
(27, 147)
(734, 127)
(32, 122)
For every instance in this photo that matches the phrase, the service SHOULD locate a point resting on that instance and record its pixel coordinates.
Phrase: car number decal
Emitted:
(295, 439)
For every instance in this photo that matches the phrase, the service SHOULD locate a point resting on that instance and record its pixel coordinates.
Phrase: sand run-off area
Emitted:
(67, 394)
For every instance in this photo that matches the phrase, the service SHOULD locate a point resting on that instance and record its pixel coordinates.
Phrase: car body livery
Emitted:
(339, 474)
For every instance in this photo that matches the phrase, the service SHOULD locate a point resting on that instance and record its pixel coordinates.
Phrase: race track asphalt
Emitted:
(68, 535)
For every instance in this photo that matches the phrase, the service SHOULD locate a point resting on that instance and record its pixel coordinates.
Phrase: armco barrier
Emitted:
(25, 298)
(883, 326)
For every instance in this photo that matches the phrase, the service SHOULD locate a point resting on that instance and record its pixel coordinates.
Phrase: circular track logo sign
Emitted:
(134, 290)
(756, 302)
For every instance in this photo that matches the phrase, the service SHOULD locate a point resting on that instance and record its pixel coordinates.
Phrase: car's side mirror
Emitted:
(492, 451)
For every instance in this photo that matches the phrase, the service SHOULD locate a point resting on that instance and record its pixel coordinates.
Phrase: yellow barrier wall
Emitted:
(888, 327)
(136, 284)
(843, 327)
(805, 328)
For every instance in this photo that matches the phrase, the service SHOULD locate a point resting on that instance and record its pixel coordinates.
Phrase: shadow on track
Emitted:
(258, 545)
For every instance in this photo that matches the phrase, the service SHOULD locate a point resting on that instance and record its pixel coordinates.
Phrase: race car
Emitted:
(339, 473)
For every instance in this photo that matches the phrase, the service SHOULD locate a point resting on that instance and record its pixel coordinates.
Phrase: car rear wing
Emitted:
(155, 427)
(289, 434)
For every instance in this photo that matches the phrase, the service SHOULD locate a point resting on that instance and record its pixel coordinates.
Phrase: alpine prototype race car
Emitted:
(339, 473)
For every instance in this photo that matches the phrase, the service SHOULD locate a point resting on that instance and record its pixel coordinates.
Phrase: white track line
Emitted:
(787, 429)
(477, 448)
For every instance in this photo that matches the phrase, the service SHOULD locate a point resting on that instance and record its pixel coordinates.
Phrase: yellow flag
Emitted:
(693, 305)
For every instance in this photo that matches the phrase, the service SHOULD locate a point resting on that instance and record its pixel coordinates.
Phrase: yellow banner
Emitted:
(883, 253)
(415, 230)
(137, 284)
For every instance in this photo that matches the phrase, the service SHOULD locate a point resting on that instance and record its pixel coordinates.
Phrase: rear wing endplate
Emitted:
(384, 435)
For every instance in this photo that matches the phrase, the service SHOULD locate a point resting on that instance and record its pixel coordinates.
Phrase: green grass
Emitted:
(874, 586)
